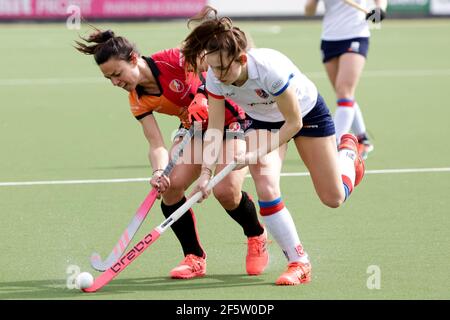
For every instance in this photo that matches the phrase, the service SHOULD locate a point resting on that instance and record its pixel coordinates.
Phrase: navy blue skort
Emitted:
(333, 49)
(317, 123)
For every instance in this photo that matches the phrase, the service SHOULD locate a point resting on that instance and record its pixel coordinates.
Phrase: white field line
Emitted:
(124, 180)
(312, 74)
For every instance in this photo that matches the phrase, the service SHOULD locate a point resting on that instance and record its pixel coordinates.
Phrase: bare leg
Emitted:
(349, 71)
(320, 157)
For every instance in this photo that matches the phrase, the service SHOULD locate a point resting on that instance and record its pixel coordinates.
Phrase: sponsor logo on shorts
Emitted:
(247, 124)
(311, 126)
(354, 46)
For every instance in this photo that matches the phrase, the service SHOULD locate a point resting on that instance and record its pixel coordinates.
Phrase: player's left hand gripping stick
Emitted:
(120, 264)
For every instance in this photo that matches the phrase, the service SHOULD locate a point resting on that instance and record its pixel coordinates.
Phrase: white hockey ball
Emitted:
(84, 280)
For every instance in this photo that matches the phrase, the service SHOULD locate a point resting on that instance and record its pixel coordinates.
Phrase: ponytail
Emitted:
(106, 46)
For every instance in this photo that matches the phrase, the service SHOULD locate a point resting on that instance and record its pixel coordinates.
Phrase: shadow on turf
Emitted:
(55, 289)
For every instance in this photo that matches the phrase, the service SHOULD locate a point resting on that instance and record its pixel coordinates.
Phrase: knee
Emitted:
(174, 193)
(332, 200)
(344, 90)
(267, 192)
(228, 196)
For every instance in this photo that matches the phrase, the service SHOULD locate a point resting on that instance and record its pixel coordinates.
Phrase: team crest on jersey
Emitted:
(261, 93)
(176, 85)
(234, 127)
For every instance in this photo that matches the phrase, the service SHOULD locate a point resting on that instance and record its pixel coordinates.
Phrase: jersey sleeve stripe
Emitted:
(139, 117)
(285, 86)
(214, 95)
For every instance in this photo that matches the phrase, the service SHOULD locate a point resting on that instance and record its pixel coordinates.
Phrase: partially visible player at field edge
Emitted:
(160, 83)
(344, 46)
(276, 96)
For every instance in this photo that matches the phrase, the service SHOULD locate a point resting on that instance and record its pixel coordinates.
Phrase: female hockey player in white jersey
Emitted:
(344, 46)
(279, 100)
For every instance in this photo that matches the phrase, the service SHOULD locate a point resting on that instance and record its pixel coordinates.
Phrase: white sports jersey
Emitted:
(269, 74)
(342, 21)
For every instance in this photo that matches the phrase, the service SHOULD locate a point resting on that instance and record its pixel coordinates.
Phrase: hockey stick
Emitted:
(120, 264)
(356, 6)
(96, 261)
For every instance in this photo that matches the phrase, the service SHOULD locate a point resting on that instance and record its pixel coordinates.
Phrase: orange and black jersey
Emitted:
(176, 90)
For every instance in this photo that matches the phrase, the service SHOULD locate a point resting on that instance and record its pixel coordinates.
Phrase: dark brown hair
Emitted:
(106, 46)
(213, 34)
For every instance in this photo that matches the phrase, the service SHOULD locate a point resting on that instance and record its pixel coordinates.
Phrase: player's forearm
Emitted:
(311, 8)
(289, 107)
(158, 157)
(158, 154)
(286, 132)
(212, 145)
(214, 134)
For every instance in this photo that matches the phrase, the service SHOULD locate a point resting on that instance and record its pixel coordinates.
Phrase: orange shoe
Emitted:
(296, 273)
(349, 142)
(191, 267)
(257, 255)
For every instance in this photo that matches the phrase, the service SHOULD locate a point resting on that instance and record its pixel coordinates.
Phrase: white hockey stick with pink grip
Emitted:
(120, 264)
